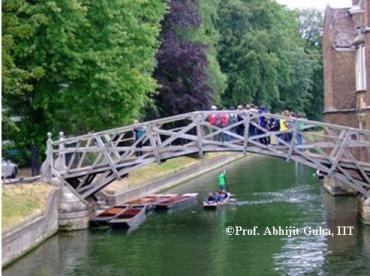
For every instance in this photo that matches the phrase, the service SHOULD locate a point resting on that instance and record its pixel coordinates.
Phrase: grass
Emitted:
(153, 171)
(314, 136)
(20, 202)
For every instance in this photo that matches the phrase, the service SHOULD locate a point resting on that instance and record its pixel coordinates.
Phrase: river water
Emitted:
(267, 192)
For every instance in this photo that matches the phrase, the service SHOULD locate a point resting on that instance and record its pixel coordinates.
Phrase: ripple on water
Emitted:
(301, 255)
(298, 194)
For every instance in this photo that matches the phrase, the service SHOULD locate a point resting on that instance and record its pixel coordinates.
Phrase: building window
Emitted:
(360, 68)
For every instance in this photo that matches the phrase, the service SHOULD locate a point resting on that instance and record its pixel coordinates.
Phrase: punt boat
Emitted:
(132, 217)
(177, 201)
(150, 200)
(102, 218)
(216, 204)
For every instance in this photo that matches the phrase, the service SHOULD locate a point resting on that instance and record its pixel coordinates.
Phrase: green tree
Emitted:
(210, 35)
(311, 31)
(263, 55)
(76, 65)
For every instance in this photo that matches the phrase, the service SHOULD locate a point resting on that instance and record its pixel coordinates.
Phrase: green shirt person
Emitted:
(221, 180)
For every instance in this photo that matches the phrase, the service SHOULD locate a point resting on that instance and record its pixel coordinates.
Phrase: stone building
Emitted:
(346, 53)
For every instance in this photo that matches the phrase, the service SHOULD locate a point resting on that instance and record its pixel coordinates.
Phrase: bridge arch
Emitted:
(90, 162)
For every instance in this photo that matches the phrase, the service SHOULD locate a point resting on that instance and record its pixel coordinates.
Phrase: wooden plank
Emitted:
(293, 141)
(198, 121)
(339, 152)
(107, 156)
(246, 122)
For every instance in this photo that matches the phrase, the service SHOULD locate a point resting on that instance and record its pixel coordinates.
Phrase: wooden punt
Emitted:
(216, 204)
(132, 217)
(150, 200)
(102, 218)
(177, 201)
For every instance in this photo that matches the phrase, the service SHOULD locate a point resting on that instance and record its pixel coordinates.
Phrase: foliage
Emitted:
(264, 56)
(76, 65)
(188, 71)
(311, 31)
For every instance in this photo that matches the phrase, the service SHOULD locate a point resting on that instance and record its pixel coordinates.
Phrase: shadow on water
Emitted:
(267, 192)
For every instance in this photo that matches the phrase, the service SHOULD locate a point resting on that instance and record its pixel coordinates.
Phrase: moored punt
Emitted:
(177, 201)
(150, 200)
(216, 204)
(105, 216)
(132, 217)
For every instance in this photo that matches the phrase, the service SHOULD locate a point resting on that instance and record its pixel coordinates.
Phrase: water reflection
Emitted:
(59, 255)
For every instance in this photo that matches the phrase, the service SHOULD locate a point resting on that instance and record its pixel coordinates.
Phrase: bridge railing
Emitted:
(90, 161)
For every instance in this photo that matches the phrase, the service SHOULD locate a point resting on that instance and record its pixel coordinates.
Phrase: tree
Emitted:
(187, 70)
(263, 55)
(311, 29)
(77, 65)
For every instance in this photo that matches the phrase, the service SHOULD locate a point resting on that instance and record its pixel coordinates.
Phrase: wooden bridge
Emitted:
(90, 162)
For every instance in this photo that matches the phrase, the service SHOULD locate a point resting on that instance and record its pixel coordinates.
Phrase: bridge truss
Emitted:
(90, 162)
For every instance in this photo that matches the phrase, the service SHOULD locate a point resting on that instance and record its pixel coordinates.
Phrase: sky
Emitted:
(318, 4)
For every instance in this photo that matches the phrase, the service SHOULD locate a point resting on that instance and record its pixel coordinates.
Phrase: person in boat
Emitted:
(222, 194)
(211, 197)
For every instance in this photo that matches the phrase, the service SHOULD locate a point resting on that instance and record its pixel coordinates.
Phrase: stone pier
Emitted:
(363, 207)
(74, 211)
(336, 188)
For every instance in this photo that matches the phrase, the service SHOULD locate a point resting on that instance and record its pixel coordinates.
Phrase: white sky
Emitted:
(318, 4)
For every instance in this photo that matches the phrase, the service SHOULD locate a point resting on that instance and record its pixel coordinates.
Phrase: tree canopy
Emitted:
(264, 55)
(188, 72)
(81, 65)
(76, 65)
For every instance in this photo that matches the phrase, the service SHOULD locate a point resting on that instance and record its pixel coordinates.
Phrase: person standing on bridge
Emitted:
(300, 125)
(240, 118)
(263, 124)
(213, 119)
(284, 127)
(139, 132)
(224, 122)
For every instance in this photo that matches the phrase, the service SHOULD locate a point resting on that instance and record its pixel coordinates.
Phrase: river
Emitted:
(267, 192)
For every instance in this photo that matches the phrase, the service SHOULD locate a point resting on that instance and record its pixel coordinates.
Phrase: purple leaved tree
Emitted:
(182, 64)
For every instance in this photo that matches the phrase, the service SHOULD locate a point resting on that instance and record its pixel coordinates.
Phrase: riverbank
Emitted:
(30, 216)
(163, 176)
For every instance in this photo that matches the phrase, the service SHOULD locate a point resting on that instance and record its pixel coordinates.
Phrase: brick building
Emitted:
(346, 53)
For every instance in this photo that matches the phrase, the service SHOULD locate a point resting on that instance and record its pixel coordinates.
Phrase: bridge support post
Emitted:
(47, 165)
(60, 162)
(198, 120)
(336, 188)
(363, 210)
(247, 119)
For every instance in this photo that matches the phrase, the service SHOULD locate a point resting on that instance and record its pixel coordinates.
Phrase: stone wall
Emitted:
(21, 239)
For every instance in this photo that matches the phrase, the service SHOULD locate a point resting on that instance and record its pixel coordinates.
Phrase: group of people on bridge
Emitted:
(223, 120)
